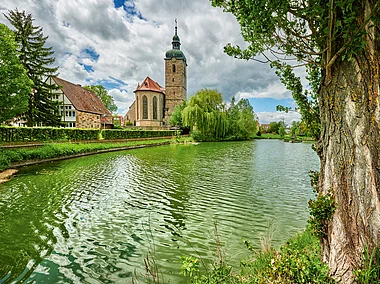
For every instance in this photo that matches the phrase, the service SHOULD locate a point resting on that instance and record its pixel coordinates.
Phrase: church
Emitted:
(154, 105)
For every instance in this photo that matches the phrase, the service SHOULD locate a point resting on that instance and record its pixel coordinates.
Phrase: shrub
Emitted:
(39, 134)
(126, 134)
(298, 261)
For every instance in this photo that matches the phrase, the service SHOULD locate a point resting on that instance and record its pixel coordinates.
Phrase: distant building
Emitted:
(265, 126)
(154, 105)
(80, 107)
(118, 120)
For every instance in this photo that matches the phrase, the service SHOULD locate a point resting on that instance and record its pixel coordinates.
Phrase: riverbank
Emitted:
(17, 156)
(286, 137)
(297, 261)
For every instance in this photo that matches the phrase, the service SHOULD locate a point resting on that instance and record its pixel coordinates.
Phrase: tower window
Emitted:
(145, 107)
(173, 68)
(154, 107)
(173, 80)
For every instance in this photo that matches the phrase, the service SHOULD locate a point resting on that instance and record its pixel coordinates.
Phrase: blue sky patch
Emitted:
(129, 7)
(118, 3)
(121, 83)
(112, 84)
(91, 53)
(269, 104)
(88, 68)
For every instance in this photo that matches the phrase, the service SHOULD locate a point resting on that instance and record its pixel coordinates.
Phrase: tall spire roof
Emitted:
(175, 52)
(176, 42)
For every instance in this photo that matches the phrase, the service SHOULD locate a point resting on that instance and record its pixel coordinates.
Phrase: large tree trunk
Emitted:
(349, 151)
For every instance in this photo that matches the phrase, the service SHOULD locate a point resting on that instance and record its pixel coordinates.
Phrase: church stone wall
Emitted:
(139, 108)
(175, 84)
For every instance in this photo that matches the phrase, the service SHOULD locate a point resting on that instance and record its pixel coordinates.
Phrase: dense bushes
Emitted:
(126, 134)
(39, 134)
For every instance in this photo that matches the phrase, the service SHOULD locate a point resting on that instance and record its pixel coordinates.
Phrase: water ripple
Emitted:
(94, 219)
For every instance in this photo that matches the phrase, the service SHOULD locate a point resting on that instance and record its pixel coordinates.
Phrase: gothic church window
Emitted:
(145, 107)
(154, 107)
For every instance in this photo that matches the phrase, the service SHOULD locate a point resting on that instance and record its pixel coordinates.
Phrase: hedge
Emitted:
(41, 134)
(110, 134)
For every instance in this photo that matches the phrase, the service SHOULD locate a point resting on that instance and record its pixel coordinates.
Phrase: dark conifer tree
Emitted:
(37, 60)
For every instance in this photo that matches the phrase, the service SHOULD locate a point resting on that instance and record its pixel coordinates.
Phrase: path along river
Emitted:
(94, 219)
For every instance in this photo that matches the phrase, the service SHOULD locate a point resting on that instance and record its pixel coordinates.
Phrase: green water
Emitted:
(94, 219)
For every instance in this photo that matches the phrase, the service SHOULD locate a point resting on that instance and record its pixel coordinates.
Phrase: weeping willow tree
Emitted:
(206, 115)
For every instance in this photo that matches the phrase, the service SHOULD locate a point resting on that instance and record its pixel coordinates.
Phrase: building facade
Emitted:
(80, 108)
(154, 105)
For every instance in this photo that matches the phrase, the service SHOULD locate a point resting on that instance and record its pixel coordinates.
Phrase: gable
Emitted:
(82, 99)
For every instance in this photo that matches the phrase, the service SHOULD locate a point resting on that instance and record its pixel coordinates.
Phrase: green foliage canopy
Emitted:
(206, 113)
(15, 85)
(210, 118)
(289, 34)
(241, 120)
(103, 95)
(36, 59)
(176, 118)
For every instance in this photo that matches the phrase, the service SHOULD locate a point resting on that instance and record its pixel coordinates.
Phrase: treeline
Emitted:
(298, 128)
(210, 119)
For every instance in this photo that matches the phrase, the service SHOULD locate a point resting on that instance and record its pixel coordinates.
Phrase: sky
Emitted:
(118, 43)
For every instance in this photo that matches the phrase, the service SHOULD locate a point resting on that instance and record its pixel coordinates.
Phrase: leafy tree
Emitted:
(205, 113)
(209, 119)
(103, 95)
(36, 59)
(295, 128)
(247, 125)
(176, 118)
(233, 118)
(273, 127)
(339, 43)
(15, 85)
(282, 129)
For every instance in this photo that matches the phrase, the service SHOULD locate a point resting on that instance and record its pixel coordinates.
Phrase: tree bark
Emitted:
(349, 152)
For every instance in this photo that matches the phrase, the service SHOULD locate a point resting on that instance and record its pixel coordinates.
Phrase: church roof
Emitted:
(150, 85)
(175, 52)
(81, 98)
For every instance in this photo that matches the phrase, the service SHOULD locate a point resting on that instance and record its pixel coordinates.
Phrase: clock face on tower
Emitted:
(173, 59)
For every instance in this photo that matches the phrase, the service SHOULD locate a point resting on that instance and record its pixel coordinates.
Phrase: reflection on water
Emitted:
(93, 219)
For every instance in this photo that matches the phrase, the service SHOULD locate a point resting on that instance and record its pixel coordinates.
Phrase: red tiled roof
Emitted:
(81, 98)
(150, 85)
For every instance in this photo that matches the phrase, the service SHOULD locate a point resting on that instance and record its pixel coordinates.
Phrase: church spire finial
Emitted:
(176, 42)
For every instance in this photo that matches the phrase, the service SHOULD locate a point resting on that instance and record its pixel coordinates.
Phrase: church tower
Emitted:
(175, 76)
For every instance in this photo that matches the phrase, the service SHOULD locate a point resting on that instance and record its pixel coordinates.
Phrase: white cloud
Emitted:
(288, 118)
(122, 99)
(274, 90)
(129, 47)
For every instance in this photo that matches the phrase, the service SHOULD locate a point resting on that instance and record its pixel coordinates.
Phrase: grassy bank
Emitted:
(297, 261)
(54, 150)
